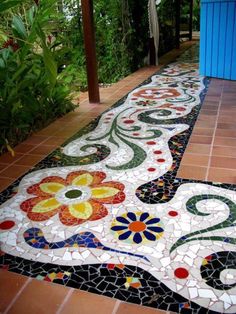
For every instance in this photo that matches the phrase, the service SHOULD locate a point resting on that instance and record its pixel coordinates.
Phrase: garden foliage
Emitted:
(42, 57)
(31, 93)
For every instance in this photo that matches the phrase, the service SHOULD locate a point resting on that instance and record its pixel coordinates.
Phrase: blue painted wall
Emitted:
(218, 39)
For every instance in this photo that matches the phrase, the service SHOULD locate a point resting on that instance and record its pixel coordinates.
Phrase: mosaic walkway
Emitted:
(107, 214)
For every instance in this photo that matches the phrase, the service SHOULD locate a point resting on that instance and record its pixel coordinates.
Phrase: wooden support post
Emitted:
(191, 20)
(177, 23)
(152, 52)
(90, 50)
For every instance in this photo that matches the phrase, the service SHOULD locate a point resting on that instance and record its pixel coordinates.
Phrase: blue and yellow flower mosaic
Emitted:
(137, 227)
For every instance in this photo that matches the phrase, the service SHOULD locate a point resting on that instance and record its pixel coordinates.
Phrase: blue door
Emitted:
(218, 39)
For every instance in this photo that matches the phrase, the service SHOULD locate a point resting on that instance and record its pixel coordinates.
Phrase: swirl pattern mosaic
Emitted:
(106, 213)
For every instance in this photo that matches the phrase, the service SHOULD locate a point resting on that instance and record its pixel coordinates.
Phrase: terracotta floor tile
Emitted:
(72, 129)
(226, 133)
(216, 82)
(209, 112)
(229, 83)
(72, 115)
(5, 182)
(228, 113)
(43, 150)
(74, 121)
(224, 151)
(225, 141)
(14, 171)
(29, 160)
(85, 121)
(212, 98)
(226, 118)
(126, 308)
(39, 297)
(93, 115)
(222, 175)
(215, 93)
(201, 149)
(35, 139)
(192, 172)
(226, 110)
(54, 141)
(215, 89)
(50, 130)
(230, 97)
(3, 166)
(64, 133)
(86, 107)
(230, 89)
(207, 118)
(226, 126)
(213, 104)
(88, 303)
(210, 106)
(75, 125)
(10, 284)
(23, 148)
(7, 158)
(194, 159)
(228, 103)
(200, 139)
(205, 124)
(223, 162)
(203, 132)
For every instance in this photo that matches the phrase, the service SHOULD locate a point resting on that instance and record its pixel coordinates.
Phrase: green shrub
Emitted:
(31, 93)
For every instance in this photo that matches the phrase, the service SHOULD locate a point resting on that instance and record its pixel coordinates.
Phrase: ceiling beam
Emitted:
(90, 50)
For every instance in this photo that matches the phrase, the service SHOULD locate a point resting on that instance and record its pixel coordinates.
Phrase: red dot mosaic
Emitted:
(6, 225)
(181, 273)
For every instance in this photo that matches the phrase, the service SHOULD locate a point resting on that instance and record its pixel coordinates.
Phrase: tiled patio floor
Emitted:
(211, 152)
(210, 156)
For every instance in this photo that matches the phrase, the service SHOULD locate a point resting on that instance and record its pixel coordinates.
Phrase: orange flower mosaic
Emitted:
(156, 93)
(78, 198)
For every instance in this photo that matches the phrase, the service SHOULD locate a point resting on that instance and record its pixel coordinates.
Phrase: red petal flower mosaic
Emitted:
(156, 93)
(78, 198)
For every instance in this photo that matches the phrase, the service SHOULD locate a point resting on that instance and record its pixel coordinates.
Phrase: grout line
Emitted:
(214, 134)
(200, 154)
(17, 295)
(116, 306)
(226, 137)
(68, 295)
(212, 167)
(193, 165)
